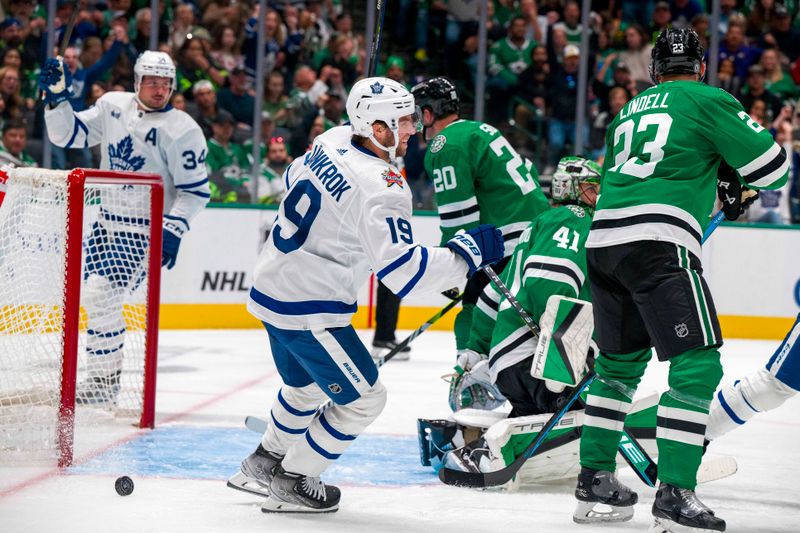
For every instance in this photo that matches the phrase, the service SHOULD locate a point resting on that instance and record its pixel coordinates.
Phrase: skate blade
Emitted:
(665, 525)
(273, 505)
(587, 513)
(239, 481)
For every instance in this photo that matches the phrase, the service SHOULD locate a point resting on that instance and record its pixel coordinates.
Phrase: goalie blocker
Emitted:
(564, 342)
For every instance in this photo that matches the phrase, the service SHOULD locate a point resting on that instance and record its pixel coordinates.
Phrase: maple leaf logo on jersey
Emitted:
(392, 178)
(121, 156)
(377, 87)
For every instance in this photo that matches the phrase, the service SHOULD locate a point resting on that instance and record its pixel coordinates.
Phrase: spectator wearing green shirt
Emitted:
(507, 59)
(227, 162)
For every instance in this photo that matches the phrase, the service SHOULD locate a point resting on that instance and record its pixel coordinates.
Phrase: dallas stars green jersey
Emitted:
(662, 154)
(507, 60)
(480, 179)
(228, 171)
(549, 259)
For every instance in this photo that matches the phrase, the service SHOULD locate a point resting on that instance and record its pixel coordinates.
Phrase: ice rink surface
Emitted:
(208, 381)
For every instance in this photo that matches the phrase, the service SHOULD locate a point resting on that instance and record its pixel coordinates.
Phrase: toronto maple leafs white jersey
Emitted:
(167, 142)
(347, 212)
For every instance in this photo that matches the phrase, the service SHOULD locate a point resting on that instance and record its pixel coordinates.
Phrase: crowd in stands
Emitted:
(315, 50)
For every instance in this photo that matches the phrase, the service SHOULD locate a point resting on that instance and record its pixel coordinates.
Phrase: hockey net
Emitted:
(80, 259)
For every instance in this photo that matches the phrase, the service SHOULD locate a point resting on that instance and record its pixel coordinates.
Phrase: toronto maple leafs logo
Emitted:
(121, 156)
(377, 87)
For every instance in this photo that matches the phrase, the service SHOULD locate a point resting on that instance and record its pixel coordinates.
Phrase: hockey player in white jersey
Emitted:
(136, 131)
(347, 212)
(764, 390)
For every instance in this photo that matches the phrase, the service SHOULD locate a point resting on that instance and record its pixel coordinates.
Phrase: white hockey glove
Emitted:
(560, 357)
(474, 389)
(55, 81)
(468, 359)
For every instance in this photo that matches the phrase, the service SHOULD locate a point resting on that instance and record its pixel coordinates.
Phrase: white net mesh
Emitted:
(113, 308)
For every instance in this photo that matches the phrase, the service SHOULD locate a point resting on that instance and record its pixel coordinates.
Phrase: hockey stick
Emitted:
(73, 18)
(259, 425)
(377, 33)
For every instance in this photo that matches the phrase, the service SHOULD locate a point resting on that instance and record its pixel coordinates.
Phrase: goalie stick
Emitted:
(259, 425)
(631, 450)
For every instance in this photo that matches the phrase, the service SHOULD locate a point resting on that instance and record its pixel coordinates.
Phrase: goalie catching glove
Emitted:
(735, 197)
(566, 334)
(479, 247)
(55, 81)
(474, 389)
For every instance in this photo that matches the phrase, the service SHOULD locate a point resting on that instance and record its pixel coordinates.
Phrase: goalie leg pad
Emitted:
(566, 325)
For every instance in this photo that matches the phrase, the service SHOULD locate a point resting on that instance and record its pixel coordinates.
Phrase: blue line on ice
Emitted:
(215, 453)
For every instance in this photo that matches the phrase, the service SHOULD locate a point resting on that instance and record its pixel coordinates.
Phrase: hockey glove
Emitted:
(55, 81)
(171, 242)
(735, 197)
(479, 246)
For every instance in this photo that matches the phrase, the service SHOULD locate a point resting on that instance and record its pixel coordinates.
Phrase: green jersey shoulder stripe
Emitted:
(555, 269)
(767, 168)
(458, 214)
(489, 301)
(518, 345)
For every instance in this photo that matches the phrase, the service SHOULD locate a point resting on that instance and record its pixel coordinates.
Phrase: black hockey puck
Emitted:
(124, 485)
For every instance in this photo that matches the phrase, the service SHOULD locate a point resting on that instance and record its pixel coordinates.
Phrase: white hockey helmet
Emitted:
(152, 63)
(379, 99)
(572, 171)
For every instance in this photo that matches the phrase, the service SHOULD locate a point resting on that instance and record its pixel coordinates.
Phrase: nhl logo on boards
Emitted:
(438, 143)
(392, 178)
(377, 88)
(681, 330)
(335, 388)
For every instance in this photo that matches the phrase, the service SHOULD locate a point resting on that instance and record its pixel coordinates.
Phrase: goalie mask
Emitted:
(158, 64)
(374, 100)
(570, 176)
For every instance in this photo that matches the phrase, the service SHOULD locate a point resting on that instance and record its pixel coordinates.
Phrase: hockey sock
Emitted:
(462, 325)
(608, 402)
(683, 414)
(291, 414)
(333, 431)
(105, 333)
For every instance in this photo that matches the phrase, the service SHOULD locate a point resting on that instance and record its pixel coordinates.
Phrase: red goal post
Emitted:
(50, 225)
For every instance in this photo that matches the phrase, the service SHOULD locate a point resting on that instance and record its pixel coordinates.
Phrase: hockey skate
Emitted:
(99, 390)
(381, 348)
(296, 493)
(474, 457)
(255, 473)
(602, 487)
(679, 510)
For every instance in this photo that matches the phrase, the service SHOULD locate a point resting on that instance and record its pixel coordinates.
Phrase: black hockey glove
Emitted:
(735, 197)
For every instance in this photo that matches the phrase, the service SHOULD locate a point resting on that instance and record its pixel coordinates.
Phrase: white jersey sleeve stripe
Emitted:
(414, 280)
(79, 125)
(192, 185)
(397, 263)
